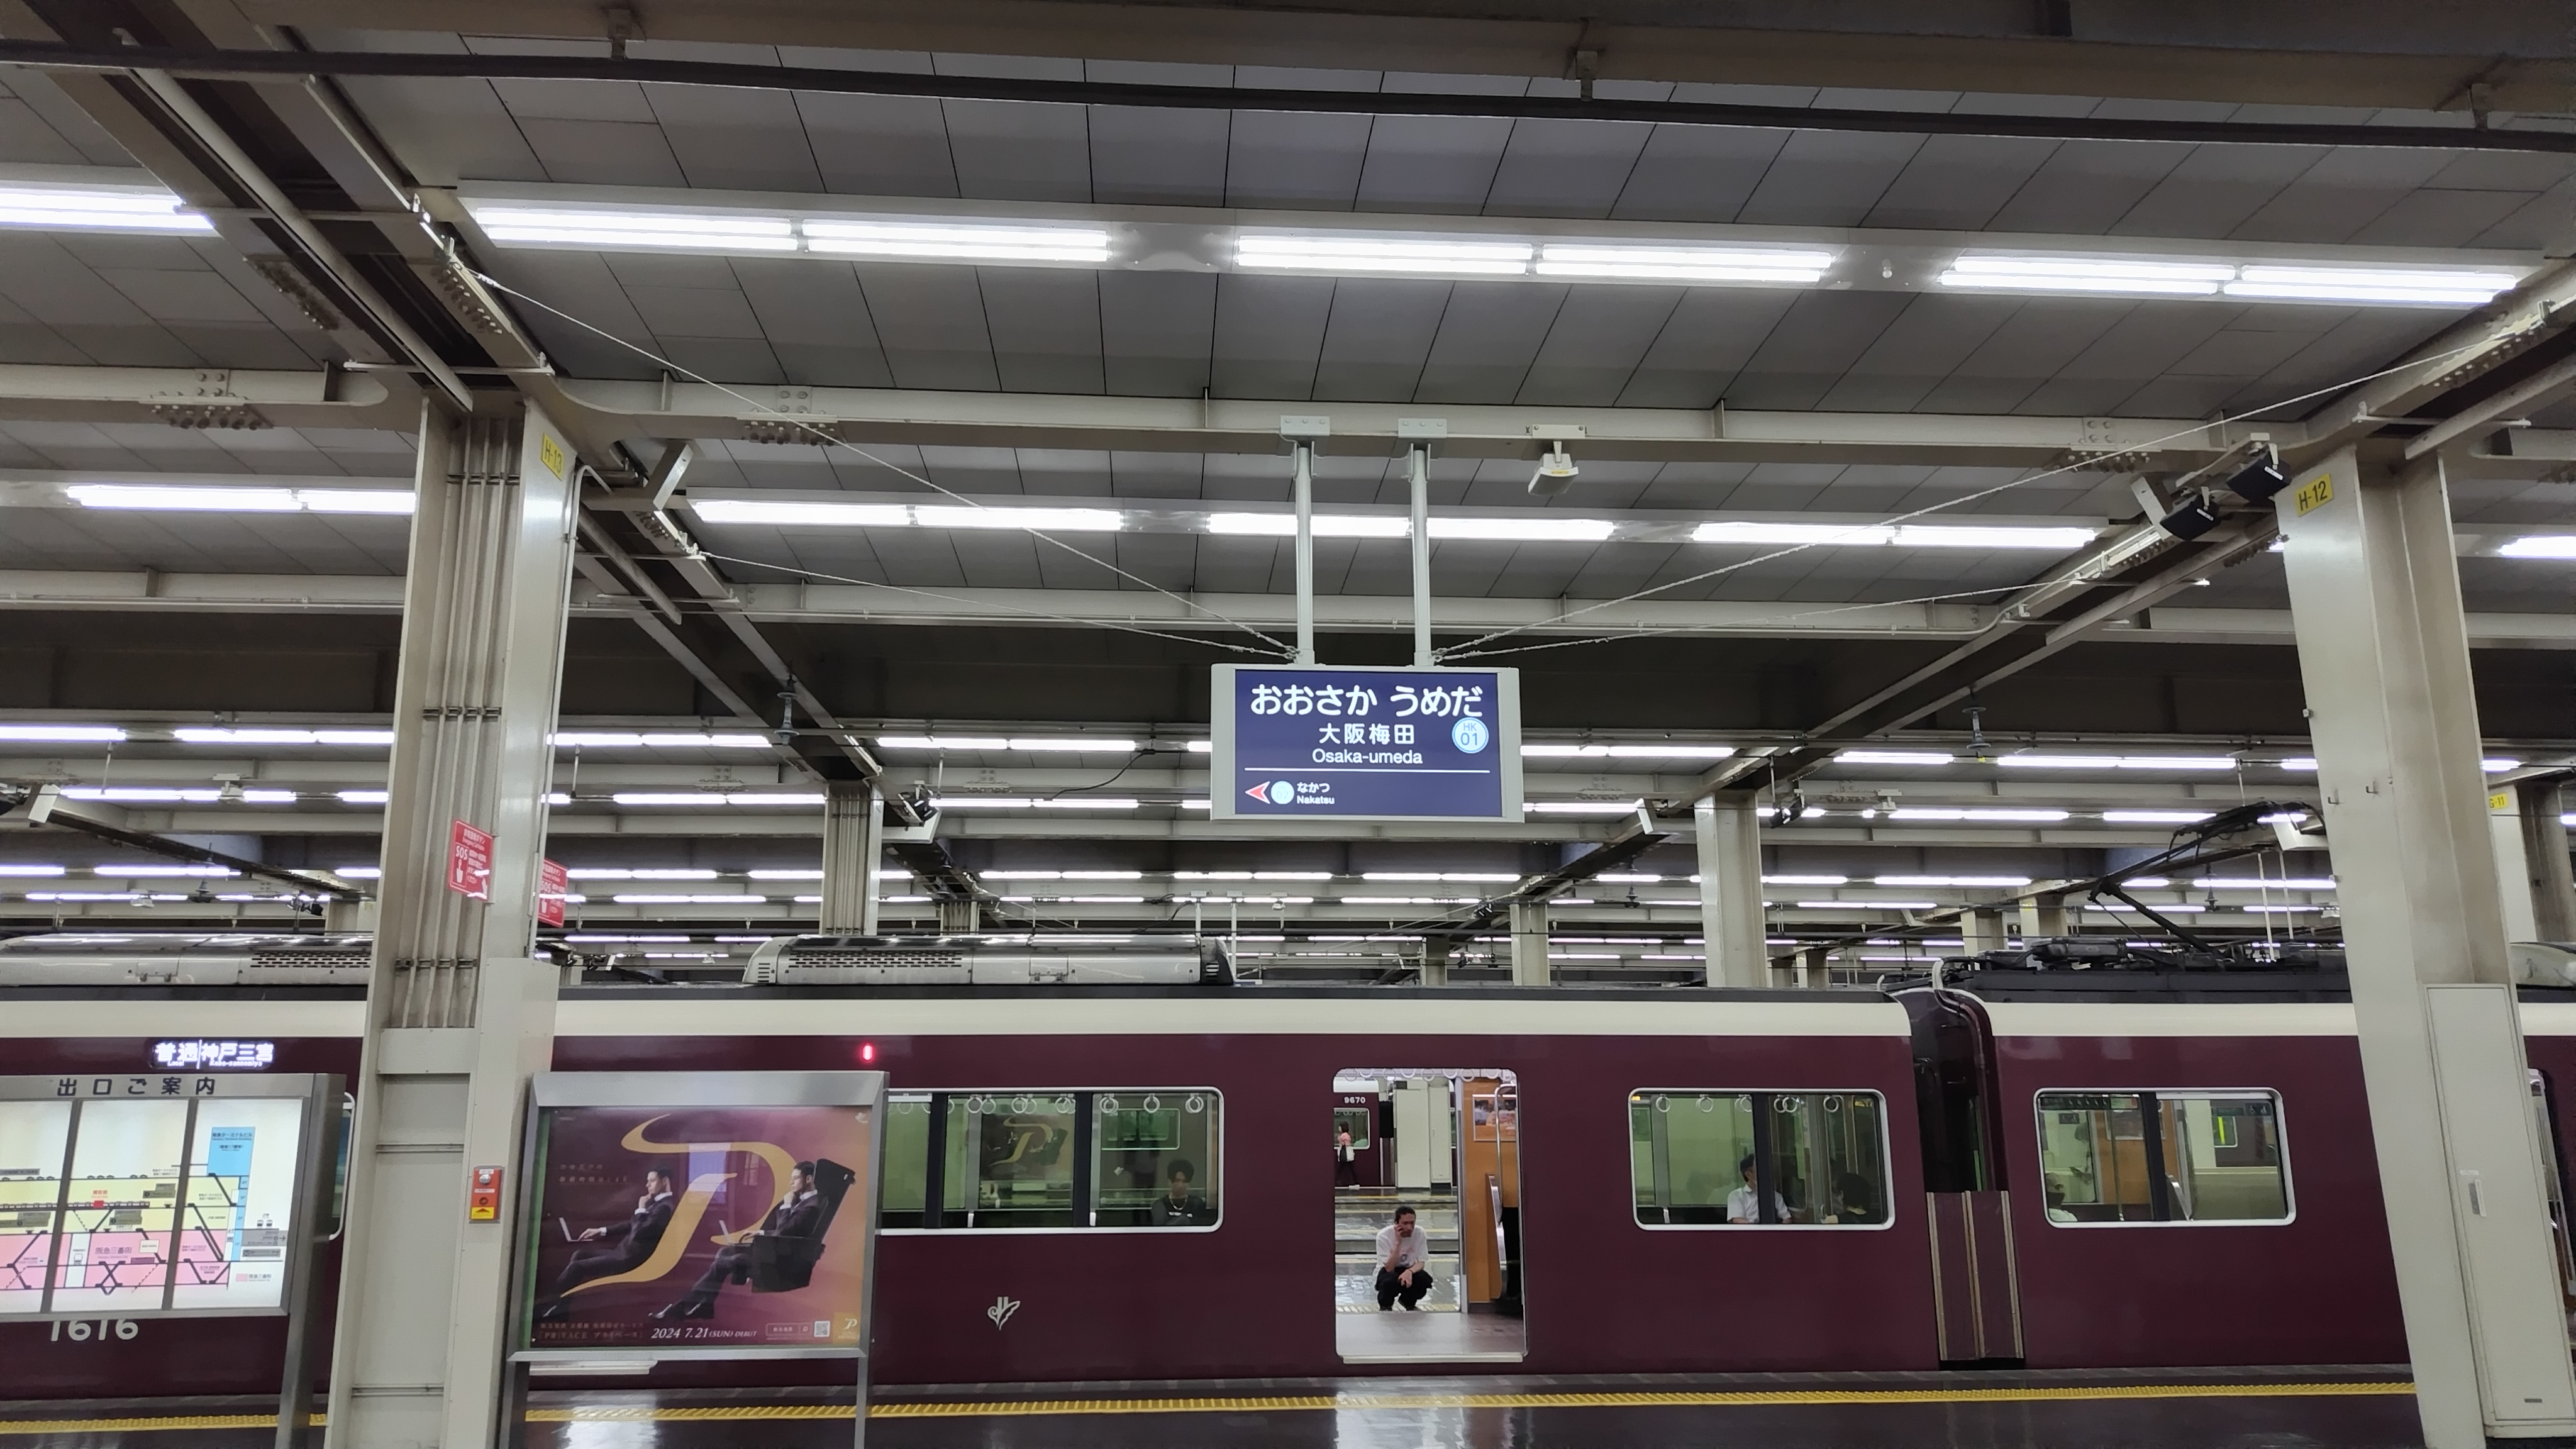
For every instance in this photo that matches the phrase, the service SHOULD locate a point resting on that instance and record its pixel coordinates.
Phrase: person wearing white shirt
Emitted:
(1744, 1204)
(1403, 1263)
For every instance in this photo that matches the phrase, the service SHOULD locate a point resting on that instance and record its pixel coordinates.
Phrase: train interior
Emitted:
(1445, 1144)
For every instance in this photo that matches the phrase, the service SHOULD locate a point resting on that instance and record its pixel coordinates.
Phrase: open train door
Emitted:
(1976, 1283)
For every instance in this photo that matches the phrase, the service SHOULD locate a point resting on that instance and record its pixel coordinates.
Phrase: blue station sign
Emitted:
(1340, 743)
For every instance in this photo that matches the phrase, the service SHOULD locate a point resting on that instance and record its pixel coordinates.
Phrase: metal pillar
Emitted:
(2043, 916)
(2546, 869)
(1730, 891)
(2383, 650)
(1815, 968)
(1530, 965)
(853, 848)
(1303, 459)
(1420, 456)
(459, 1014)
(1982, 930)
(1435, 959)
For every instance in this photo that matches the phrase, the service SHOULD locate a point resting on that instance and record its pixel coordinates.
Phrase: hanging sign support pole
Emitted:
(1420, 454)
(1304, 457)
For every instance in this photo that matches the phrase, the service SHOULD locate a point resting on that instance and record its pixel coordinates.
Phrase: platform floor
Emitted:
(2316, 1407)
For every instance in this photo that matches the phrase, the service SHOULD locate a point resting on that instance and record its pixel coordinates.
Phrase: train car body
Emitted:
(1981, 1216)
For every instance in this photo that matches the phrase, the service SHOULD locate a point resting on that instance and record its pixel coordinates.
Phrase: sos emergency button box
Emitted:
(483, 1198)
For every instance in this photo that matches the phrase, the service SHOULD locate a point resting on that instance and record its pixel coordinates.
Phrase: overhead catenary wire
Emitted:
(2248, 415)
(826, 438)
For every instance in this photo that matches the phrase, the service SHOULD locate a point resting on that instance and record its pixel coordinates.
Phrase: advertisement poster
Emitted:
(720, 1228)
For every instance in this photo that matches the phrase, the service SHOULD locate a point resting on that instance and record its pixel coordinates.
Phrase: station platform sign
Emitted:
(1354, 743)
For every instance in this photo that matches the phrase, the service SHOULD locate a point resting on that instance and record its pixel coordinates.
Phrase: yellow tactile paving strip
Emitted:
(1639, 1399)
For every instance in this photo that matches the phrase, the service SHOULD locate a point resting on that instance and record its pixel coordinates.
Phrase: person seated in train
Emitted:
(643, 1232)
(1179, 1207)
(1859, 1201)
(1744, 1204)
(796, 1216)
(1403, 1263)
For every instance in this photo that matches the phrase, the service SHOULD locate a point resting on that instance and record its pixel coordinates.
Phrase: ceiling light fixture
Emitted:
(955, 241)
(98, 208)
(1052, 520)
(2036, 817)
(1779, 267)
(204, 498)
(1628, 752)
(1522, 530)
(1894, 757)
(1556, 473)
(612, 230)
(1878, 535)
(1324, 525)
(2540, 545)
(1364, 255)
(820, 515)
(2033, 760)
(2153, 817)
(196, 735)
(2245, 281)
(61, 734)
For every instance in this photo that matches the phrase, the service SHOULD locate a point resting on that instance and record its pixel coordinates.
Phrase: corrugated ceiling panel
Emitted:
(1014, 152)
(1378, 337)
(1696, 173)
(1278, 160)
(734, 139)
(1565, 168)
(1705, 345)
(1158, 328)
(1599, 338)
(930, 321)
(817, 321)
(1045, 326)
(879, 145)
(1269, 332)
(1824, 178)
(1488, 337)
(2215, 189)
(1958, 183)
(1821, 336)
(1431, 163)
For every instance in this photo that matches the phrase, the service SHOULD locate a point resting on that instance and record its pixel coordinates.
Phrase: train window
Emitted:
(2110, 1158)
(1155, 1163)
(1714, 1157)
(1053, 1159)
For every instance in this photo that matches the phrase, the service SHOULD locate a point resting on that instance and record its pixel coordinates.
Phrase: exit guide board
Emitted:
(1341, 743)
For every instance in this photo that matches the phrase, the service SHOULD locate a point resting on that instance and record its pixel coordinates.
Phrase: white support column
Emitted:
(1530, 966)
(2383, 649)
(853, 850)
(459, 1012)
(2043, 916)
(1981, 930)
(1730, 891)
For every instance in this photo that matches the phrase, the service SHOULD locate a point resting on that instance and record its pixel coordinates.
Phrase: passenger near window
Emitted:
(1776, 1159)
(1053, 1159)
(2163, 1157)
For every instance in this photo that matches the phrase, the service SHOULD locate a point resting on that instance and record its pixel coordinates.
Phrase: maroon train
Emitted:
(1980, 1252)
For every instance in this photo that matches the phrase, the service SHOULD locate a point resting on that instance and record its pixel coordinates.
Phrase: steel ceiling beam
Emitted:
(242, 65)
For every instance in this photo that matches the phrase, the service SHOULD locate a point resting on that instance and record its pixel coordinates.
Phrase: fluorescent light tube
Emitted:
(1382, 254)
(776, 801)
(690, 900)
(2153, 817)
(955, 241)
(2089, 274)
(1806, 880)
(189, 498)
(2257, 883)
(2026, 816)
(2057, 540)
(624, 740)
(1524, 530)
(364, 797)
(97, 208)
(1326, 525)
(63, 734)
(355, 500)
(645, 873)
(2495, 765)
(659, 231)
(1777, 266)
(1055, 520)
(1579, 807)
(667, 797)
(1627, 752)
(268, 797)
(943, 742)
(822, 515)
(196, 735)
(2032, 760)
(1850, 535)
(1894, 757)
(31, 870)
(210, 871)
(139, 793)
(2439, 286)
(1072, 744)
(2540, 545)
(1950, 880)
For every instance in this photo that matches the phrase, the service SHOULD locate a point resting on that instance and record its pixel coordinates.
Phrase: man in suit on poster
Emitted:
(643, 1232)
(797, 1215)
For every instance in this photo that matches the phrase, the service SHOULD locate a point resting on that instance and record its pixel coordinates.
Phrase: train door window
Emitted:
(1705, 1158)
(1154, 1161)
(1011, 1160)
(2163, 1157)
(903, 1192)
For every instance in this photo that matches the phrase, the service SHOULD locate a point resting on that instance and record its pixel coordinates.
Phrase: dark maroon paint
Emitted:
(2319, 1289)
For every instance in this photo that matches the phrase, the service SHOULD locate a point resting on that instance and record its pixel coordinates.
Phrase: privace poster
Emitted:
(698, 1228)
